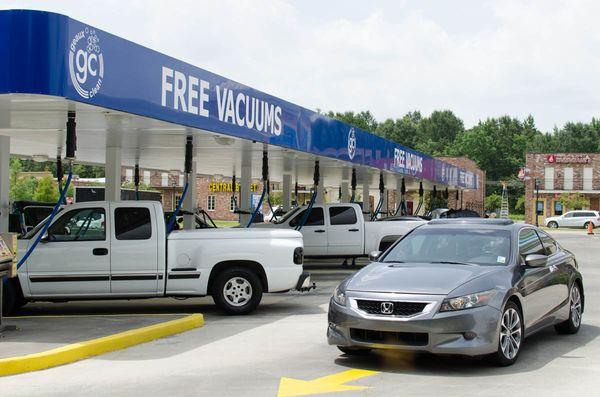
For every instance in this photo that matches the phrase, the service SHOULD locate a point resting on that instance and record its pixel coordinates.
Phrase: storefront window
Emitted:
(558, 208)
(232, 204)
(210, 205)
(540, 207)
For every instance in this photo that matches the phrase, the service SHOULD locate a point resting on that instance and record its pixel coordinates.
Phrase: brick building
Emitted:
(559, 174)
(468, 198)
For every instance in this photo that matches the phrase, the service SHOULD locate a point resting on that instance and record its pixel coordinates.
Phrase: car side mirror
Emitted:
(45, 238)
(374, 256)
(536, 260)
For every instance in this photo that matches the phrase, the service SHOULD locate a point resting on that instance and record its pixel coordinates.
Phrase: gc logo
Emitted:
(351, 143)
(86, 63)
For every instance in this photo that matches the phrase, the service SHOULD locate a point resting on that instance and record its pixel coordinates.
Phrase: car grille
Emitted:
(399, 308)
(389, 338)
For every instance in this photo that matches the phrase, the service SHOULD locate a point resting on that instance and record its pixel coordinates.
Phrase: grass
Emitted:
(226, 223)
(517, 217)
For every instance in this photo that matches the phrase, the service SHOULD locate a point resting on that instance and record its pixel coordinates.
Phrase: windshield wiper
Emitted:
(455, 263)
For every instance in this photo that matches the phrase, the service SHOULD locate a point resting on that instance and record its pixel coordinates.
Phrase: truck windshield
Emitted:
(287, 216)
(452, 245)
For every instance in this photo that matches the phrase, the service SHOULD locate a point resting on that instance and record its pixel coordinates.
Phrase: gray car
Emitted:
(466, 286)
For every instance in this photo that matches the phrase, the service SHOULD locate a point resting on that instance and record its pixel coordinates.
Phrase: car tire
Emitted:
(237, 291)
(553, 225)
(573, 323)
(510, 335)
(587, 224)
(354, 351)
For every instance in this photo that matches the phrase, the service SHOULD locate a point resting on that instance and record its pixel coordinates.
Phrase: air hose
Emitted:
(48, 222)
(265, 179)
(59, 176)
(316, 178)
(136, 181)
(189, 147)
(381, 198)
(421, 192)
(402, 205)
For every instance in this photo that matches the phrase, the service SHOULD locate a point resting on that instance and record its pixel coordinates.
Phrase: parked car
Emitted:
(579, 218)
(108, 250)
(467, 287)
(339, 230)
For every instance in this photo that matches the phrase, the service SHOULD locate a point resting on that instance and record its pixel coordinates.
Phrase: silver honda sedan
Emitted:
(459, 286)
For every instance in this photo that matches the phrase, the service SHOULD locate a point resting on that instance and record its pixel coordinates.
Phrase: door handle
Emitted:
(100, 251)
(320, 231)
(353, 230)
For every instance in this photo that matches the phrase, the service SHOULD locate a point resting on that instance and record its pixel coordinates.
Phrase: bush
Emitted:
(493, 202)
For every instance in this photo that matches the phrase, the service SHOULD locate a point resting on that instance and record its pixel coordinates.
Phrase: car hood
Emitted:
(415, 278)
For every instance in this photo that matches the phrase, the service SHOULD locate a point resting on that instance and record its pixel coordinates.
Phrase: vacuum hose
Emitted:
(316, 178)
(353, 185)
(189, 148)
(381, 197)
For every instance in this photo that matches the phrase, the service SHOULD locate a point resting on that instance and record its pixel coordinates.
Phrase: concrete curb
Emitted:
(79, 351)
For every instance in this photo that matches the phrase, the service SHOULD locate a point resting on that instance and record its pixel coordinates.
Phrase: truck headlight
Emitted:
(339, 296)
(467, 301)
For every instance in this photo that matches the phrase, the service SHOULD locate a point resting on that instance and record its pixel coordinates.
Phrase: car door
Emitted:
(558, 264)
(134, 265)
(568, 220)
(314, 232)
(344, 231)
(535, 282)
(73, 259)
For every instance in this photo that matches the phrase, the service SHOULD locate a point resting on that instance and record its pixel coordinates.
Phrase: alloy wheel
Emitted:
(237, 291)
(575, 306)
(510, 333)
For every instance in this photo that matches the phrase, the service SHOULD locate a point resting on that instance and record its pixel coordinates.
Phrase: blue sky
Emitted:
(477, 58)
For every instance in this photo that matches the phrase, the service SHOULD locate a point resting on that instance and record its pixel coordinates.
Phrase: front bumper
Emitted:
(470, 332)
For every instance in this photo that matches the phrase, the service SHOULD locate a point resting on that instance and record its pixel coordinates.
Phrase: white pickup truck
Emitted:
(339, 230)
(107, 250)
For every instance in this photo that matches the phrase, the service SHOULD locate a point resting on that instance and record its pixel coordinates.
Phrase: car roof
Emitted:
(470, 223)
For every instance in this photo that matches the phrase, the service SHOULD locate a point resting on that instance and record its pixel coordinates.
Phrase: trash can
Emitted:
(6, 267)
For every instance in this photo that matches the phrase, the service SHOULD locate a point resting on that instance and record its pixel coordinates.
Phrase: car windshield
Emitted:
(452, 245)
(286, 216)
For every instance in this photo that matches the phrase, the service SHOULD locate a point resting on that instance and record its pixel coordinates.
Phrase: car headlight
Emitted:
(467, 301)
(339, 296)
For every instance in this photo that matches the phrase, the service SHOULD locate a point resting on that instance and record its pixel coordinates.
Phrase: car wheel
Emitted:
(572, 324)
(237, 290)
(587, 224)
(354, 351)
(510, 338)
(553, 225)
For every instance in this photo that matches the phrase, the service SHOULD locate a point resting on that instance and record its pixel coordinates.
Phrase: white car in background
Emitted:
(579, 218)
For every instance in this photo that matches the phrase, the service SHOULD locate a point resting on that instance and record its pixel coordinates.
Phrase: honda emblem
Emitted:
(387, 308)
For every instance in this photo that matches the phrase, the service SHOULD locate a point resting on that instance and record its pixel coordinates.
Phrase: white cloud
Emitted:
(479, 59)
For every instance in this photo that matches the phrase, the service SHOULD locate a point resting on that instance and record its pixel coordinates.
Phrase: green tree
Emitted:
(520, 205)
(493, 202)
(574, 201)
(403, 131)
(436, 134)
(364, 120)
(47, 190)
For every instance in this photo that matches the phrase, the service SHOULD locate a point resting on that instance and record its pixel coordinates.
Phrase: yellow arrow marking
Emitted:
(289, 387)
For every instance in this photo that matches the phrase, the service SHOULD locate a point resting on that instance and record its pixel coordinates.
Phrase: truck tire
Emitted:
(237, 291)
(9, 297)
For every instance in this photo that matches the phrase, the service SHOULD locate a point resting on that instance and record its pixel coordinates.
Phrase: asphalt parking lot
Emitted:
(285, 338)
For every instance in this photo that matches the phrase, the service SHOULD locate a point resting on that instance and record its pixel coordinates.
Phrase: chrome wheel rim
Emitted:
(553, 225)
(575, 306)
(510, 333)
(237, 291)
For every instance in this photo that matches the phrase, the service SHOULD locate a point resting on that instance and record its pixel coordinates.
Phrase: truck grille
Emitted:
(398, 308)
(389, 338)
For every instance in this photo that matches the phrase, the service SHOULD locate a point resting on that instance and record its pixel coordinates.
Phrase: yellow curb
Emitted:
(79, 351)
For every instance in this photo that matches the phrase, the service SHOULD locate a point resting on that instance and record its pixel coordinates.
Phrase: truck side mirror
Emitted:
(536, 260)
(45, 238)
(374, 256)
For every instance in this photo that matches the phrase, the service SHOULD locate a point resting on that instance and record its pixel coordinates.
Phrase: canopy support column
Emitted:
(245, 181)
(189, 202)
(345, 194)
(4, 182)
(287, 192)
(112, 171)
(366, 202)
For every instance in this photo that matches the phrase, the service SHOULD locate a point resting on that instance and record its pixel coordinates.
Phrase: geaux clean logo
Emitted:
(351, 144)
(86, 63)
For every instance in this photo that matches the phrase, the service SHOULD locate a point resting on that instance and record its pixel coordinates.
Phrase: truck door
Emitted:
(73, 259)
(314, 232)
(345, 234)
(134, 251)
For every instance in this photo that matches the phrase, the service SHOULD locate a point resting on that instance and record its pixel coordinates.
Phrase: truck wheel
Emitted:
(237, 291)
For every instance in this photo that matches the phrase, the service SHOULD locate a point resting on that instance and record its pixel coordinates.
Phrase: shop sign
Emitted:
(568, 158)
(218, 187)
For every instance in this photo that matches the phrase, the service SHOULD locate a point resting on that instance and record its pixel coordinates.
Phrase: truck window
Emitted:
(86, 224)
(315, 218)
(342, 215)
(132, 223)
